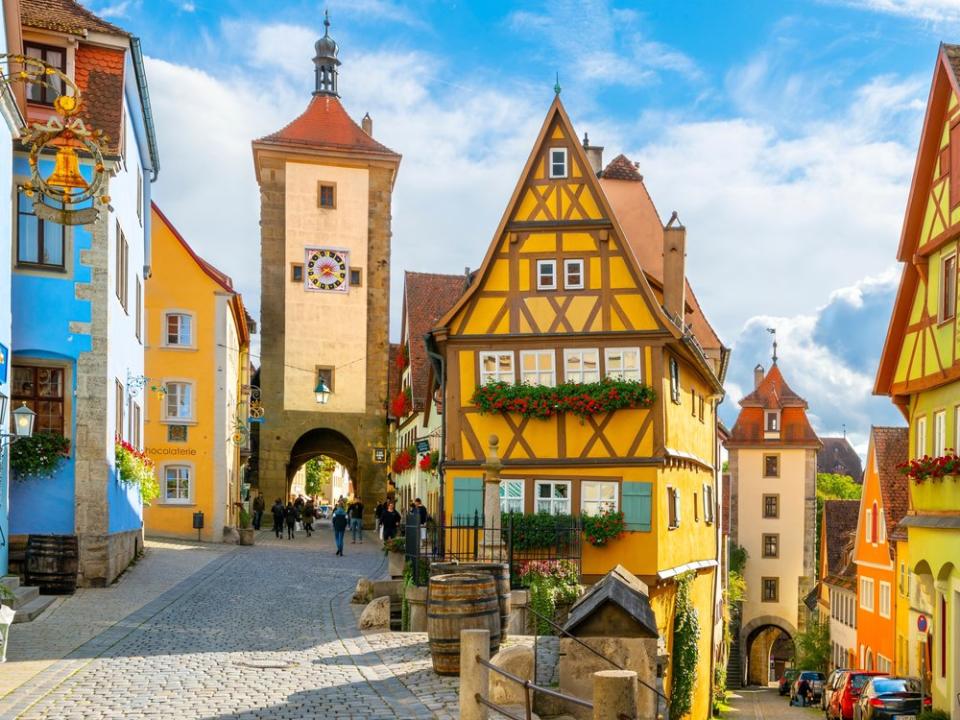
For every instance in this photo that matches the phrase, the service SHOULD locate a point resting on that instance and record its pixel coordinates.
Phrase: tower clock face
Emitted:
(327, 270)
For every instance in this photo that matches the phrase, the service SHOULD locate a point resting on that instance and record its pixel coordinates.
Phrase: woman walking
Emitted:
(339, 523)
(290, 514)
(309, 513)
(390, 519)
(278, 513)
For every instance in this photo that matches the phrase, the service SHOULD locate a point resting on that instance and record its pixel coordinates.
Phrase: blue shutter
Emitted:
(637, 505)
(467, 499)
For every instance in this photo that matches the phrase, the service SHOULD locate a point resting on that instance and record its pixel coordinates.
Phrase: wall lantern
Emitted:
(23, 420)
(322, 391)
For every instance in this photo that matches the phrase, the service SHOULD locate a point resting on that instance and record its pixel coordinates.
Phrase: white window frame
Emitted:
(775, 414)
(584, 484)
(579, 353)
(674, 380)
(509, 377)
(624, 373)
(942, 310)
(552, 264)
(504, 484)
(939, 433)
(567, 264)
(868, 523)
(884, 608)
(192, 340)
(550, 163)
(673, 508)
(708, 503)
(190, 479)
(866, 593)
(179, 419)
(882, 525)
(552, 500)
(539, 372)
(920, 437)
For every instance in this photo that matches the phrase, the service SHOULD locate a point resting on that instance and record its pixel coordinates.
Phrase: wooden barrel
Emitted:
(501, 576)
(455, 602)
(51, 563)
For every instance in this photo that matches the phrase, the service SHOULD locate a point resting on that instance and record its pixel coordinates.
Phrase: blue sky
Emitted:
(784, 133)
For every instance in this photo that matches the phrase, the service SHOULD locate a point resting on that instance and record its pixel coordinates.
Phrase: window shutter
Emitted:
(676, 507)
(706, 503)
(637, 505)
(467, 499)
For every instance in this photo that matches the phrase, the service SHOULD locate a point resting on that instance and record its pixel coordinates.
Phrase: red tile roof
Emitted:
(839, 457)
(773, 393)
(326, 125)
(839, 522)
(99, 75)
(620, 168)
(426, 298)
(393, 375)
(892, 447)
(66, 16)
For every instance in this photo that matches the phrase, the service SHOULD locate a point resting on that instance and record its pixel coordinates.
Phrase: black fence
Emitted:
(516, 542)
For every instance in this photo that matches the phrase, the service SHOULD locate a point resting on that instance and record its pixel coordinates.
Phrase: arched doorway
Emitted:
(767, 646)
(322, 442)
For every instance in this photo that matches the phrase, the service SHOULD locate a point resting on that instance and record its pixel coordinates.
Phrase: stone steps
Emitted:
(27, 600)
(32, 609)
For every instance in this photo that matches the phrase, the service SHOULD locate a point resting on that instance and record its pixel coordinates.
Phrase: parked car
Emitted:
(847, 693)
(787, 680)
(814, 679)
(834, 680)
(891, 698)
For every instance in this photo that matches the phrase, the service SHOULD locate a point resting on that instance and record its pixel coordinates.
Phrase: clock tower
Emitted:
(325, 197)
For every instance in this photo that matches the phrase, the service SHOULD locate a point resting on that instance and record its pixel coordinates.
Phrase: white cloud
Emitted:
(113, 10)
(933, 11)
(379, 9)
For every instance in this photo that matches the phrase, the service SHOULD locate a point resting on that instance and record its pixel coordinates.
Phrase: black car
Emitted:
(890, 698)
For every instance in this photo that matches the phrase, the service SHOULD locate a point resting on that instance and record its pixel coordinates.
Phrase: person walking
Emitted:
(356, 521)
(422, 511)
(259, 505)
(377, 512)
(278, 513)
(390, 519)
(290, 515)
(309, 513)
(339, 523)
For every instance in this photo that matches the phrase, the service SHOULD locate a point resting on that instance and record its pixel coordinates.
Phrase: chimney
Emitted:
(674, 275)
(757, 376)
(367, 124)
(594, 154)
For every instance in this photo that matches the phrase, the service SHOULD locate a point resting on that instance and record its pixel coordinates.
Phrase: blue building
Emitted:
(78, 296)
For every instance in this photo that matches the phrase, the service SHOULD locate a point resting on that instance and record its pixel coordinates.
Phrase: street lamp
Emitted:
(23, 419)
(322, 391)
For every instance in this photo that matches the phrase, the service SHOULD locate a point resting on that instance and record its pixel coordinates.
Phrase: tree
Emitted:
(319, 471)
(831, 486)
(812, 645)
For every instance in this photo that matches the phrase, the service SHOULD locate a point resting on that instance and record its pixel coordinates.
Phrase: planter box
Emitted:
(395, 564)
(936, 494)
(247, 536)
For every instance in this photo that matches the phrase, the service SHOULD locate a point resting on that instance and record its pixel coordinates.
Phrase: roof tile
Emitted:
(839, 521)
(773, 393)
(838, 456)
(892, 447)
(620, 168)
(66, 16)
(426, 298)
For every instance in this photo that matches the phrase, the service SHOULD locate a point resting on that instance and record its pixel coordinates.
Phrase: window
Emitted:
(904, 586)
(546, 274)
(496, 367)
(884, 599)
(573, 274)
(598, 497)
(122, 268)
(135, 424)
(700, 409)
(673, 508)
(921, 437)
(939, 433)
(675, 380)
(177, 484)
(57, 57)
(356, 277)
(179, 329)
(39, 242)
(772, 421)
(708, 503)
(866, 594)
(693, 402)
(296, 272)
(325, 373)
(771, 506)
(622, 363)
(553, 497)
(177, 433)
(118, 404)
(948, 288)
(581, 366)
(869, 527)
(178, 401)
(511, 496)
(42, 389)
(558, 162)
(327, 196)
(537, 367)
(138, 312)
(771, 546)
(882, 521)
(770, 589)
(771, 466)
(139, 192)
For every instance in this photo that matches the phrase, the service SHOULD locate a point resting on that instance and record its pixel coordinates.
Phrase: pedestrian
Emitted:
(259, 505)
(356, 521)
(290, 515)
(803, 688)
(278, 513)
(377, 512)
(339, 523)
(309, 513)
(422, 510)
(390, 519)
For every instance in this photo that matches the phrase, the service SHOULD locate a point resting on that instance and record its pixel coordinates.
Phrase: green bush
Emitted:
(540, 530)
(38, 455)
(551, 583)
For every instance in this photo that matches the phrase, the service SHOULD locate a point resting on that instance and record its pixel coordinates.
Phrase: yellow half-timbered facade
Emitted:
(562, 297)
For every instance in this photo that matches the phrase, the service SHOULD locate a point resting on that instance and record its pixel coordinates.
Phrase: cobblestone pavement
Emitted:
(757, 703)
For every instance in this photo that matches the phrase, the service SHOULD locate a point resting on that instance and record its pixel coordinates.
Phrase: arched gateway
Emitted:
(766, 645)
(325, 194)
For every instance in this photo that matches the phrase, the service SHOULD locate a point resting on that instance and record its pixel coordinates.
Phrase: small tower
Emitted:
(326, 61)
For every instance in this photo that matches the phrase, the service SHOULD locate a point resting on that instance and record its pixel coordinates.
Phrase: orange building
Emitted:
(882, 505)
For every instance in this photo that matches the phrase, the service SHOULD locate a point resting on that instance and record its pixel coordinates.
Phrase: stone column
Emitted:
(492, 541)
(614, 694)
(474, 677)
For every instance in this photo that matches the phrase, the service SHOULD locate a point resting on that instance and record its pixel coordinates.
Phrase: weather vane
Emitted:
(556, 87)
(773, 331)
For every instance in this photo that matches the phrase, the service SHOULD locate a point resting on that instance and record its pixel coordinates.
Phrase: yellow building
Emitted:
(566, 297)
(920, 371)
(197, 363)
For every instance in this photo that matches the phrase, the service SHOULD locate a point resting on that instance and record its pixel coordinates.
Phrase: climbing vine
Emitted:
(686, 637)
(404, 602)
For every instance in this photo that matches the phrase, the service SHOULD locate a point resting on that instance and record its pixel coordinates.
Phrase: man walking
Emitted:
(258, 507)
(339, 523)
(356, 521)
(278, 513)
(390, 519)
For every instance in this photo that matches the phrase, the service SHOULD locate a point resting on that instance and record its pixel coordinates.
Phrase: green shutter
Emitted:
(467, 499)
(637, 505)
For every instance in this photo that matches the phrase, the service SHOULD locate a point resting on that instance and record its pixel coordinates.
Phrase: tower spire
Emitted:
(773, 331)
(326, 61)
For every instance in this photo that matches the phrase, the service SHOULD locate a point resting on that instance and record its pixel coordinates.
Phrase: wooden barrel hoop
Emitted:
(51, 563)
(501, 576)
(455, 602)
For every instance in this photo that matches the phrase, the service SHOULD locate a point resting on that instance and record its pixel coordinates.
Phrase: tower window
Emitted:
(558, 162)
(771, 466)
(296, 272)
(328, 195)
(356, 277)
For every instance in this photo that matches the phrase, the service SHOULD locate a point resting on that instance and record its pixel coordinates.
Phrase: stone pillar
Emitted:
(474, 677)
(417, 599)
(492, 465)
(614, 694)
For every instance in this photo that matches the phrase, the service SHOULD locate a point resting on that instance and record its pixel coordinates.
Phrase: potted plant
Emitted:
(395, 549)
(247, 532)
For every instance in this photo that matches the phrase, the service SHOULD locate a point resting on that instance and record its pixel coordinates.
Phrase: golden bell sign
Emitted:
(66, 171)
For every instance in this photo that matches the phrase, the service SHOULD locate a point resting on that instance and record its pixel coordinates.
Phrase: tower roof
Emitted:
(773, 393)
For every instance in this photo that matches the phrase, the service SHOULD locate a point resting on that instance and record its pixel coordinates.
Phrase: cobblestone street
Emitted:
(755, 703)
(229, 632)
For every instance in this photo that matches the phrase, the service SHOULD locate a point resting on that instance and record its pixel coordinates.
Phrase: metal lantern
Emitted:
(322, 392)
(23, 419)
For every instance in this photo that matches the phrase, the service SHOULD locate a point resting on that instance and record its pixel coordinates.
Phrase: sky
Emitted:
(784, 133)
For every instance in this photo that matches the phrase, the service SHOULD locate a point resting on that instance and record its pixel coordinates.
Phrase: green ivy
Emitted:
(539, 530)
(582, 399)
(550, 583)
(404, 602)
(686, 652)
(38, 455)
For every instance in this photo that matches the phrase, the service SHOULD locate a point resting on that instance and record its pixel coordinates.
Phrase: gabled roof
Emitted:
(623, 589)
(839, 522)
(426, 297)
(620, 168)
(218, 277)
(773, 393)
(838, 456)
(891, 446)
(325, 125)
(66, 16)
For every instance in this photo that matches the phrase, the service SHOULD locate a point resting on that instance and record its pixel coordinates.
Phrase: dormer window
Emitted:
(772, 421)
(53, 56)
(558, 162)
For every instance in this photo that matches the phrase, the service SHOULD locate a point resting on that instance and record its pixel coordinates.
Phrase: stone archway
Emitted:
(762, 640)
(323, 441)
